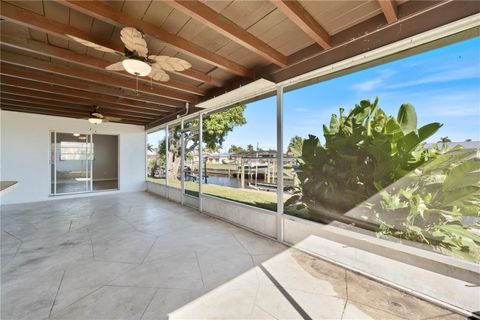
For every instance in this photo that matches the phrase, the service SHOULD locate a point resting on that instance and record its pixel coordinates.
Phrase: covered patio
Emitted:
(137, 256)
(278, 159)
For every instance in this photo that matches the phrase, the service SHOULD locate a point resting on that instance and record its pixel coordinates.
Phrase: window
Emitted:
(76, 151)
(174, 172)
(191, 161)
(240, 154)
(392, 149)
(156, 156)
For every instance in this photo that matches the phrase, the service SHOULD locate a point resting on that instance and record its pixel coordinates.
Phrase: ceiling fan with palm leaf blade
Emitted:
(138, 62)
(96, 117)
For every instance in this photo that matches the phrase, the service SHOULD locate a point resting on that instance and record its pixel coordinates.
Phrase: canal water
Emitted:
(234, 182)
(224, 181)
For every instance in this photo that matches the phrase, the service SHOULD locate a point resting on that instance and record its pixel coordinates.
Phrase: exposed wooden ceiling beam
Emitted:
(93, 76)
(305, 21)
(77, 113)
(44, 49)
(55, 106)
(229, 29)
(200, 76)
(40, 80)
(25, 108)
(106, 13)
(66, 109)
(29, 19)
(389, 8)
(42, 98)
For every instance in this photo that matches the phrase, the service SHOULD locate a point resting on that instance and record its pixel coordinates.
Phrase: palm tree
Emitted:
(150, 147)
(444, 140)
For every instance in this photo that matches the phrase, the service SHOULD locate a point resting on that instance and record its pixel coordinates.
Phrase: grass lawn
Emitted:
(260, 199)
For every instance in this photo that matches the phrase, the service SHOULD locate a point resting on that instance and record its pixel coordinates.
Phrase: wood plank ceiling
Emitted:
(229, 43)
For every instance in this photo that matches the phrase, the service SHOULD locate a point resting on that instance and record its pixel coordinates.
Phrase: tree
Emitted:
(250, 148)
(216, 127)
(295, 146)
(235, 149)
(150, 147)
(157, 158)
(444, 140)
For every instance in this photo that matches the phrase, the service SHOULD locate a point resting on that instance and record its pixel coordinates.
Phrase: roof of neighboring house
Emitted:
(465, 144)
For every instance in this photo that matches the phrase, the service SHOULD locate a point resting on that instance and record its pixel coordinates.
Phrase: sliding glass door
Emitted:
(72, 155)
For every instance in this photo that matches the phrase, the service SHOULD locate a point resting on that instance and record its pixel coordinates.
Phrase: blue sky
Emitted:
(443, 85)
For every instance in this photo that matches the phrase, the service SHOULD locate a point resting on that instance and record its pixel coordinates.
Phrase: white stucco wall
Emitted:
(25, 153)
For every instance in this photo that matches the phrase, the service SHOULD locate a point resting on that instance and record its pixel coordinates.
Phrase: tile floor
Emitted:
(137, 256)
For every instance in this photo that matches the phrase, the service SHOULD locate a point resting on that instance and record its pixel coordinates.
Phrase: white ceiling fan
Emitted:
(96, 117)
(138, 62)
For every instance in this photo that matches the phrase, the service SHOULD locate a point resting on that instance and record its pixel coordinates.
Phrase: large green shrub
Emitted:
(364, 154)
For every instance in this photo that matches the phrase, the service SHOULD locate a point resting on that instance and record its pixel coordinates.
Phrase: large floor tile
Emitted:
(186, 242)
(233, 300)
(130, 250)
(50, 258)
(29, 296)
(167, 301)
(221, 265)
(9, 243)
(119, 303)
(83, 279)
(177, 272)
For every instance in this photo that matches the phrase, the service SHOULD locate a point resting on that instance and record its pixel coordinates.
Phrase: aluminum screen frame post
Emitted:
(182, 162)
(146, 156)
(279, 215)
(167, 163)
(200, 162)
(90, 159)
(54, 162)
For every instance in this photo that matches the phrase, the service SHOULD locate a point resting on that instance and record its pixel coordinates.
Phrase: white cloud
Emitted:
(368, 85)
(444, 76)
(374, 83)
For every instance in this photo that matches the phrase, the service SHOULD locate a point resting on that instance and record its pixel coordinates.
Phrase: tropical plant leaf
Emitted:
(334, 124)
(428, 130)
(409, 142)
(407, 118)
(465, 174)
(458, 196)
(461, 232)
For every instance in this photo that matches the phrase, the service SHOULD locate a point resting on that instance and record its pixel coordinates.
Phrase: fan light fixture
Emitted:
(76, 134)
(136, 67)
(95, 120)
